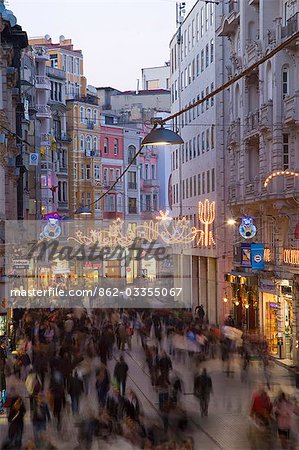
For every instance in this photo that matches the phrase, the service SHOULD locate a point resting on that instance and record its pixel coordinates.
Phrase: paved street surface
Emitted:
(225, 427)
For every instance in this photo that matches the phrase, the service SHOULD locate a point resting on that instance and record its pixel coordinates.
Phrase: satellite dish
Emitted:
(47, 37)
(61, 38)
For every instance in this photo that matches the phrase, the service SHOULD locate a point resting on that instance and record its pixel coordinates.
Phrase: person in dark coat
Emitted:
(41, 416)
(165, 366)
(76, 389)
(202, 389)
(102, 385)
(16, 415)
(131, 407)
(58, 402)
(120, 374)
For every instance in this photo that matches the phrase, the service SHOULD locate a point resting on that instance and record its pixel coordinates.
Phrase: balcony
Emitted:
(61, 169)
(253, 51)
(64, 137)
(151, 183)
(43, 112)
(90, 124)
(230, 22)
(46, 166)
(266, 116)
(97, 183)
(252, 124)
(291, 28)
(42, 82)
(132, 185)
(56, 73)
(233, 139)
(233, 192)
(252, 189)
(291, 109)
(63, 205)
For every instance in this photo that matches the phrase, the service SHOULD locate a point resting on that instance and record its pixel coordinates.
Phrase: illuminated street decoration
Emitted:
(52, 230)
(164, 216)
(280, 173)
(172, 233)
(247, 229)
(206, 216)
(267, 255)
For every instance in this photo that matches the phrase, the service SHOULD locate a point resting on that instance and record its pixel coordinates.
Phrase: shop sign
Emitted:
(257, 256)
(89, 265)
(20, 264)
(245, 255)
(247, 229)
(291, 256)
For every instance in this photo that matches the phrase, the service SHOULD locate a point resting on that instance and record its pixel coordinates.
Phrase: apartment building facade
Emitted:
(262, 139)
(197, 67)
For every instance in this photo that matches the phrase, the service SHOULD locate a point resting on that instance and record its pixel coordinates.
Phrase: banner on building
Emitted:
(257, 256)
(245, 255)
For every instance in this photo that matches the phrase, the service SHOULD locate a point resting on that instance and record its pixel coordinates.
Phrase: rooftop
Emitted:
(146, 92)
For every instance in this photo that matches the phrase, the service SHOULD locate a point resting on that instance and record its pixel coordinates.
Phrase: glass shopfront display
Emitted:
(271, 321)
(288, 326)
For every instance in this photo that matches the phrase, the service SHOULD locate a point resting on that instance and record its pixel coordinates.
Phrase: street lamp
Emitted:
(231, 222)
(161, 136)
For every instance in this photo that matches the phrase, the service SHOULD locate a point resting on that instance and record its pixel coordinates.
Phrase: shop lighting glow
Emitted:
(280, 173)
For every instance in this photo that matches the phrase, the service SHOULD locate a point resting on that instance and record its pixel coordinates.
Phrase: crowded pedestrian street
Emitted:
(83, 412)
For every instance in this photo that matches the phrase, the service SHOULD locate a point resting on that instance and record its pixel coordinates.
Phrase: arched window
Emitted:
(75, 142)
(269, 82)
(285, 81)
(81, 142)
(115, 147)
(131, 153)
(88, 115)
(81, 114)
(95, 116)
(106, 146)
(88, 143)
(75, 113)
(95, 143)
(237, 101)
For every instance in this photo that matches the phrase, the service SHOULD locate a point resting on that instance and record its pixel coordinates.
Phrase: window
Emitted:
(189, 38)
(71, 64)
(212, 50)
(208, 139)
(97, 204)
(154, 167)
(132, 205)
(106, 146)
(72, 90)
(81, 114)
(96, 172)
(183, 154)
(115, 147)
(202, 60)
(207, 55)
(197, 108)
(212, 98)
(203, 142)
(286, 155)
(202, 19)
(197, 27)
(183, 189)
(105, 175)
(197, 65)
(88, 199)
(119, 203)
(193, 33)
(285, 82)
(185, 42)
(198, 145)
(207, 15)
(187, 154)
(194, 185)
(117, 174)
(54, 60)
(82, 142)
(88, 115)
(202, 105)
(59, 191)
(213, 180)
(88, 146)
(208, 100)
(82, 171)
(213, 136)
(77, 89)
(190, 149)
(194, 147)
(146, 171)
(198, 184)
(147, 202)
(208, 182)
(75, 113)
(95, 117)
(87, 171)
(132, 180)
(111, 204)
(95, 145)
(75, 171)
(193, 110)
(111, 175)
(193, 69)
(187, 188)
(131, 154)
(155, 202)
(77, 66)
(203, 190)
(189, 74)
(191, 187)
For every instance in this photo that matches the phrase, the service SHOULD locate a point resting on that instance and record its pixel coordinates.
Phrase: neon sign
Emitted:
(247, 229)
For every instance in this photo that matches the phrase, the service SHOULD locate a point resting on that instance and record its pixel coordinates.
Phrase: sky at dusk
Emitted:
(117, 37)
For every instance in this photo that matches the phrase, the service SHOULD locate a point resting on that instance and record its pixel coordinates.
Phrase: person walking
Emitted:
(41, 416)
(120, 375)
(283, 411)
(102, 385)
(16, 415)
(76, 389)
(203, 388)
(165, 365)
(260, 435)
